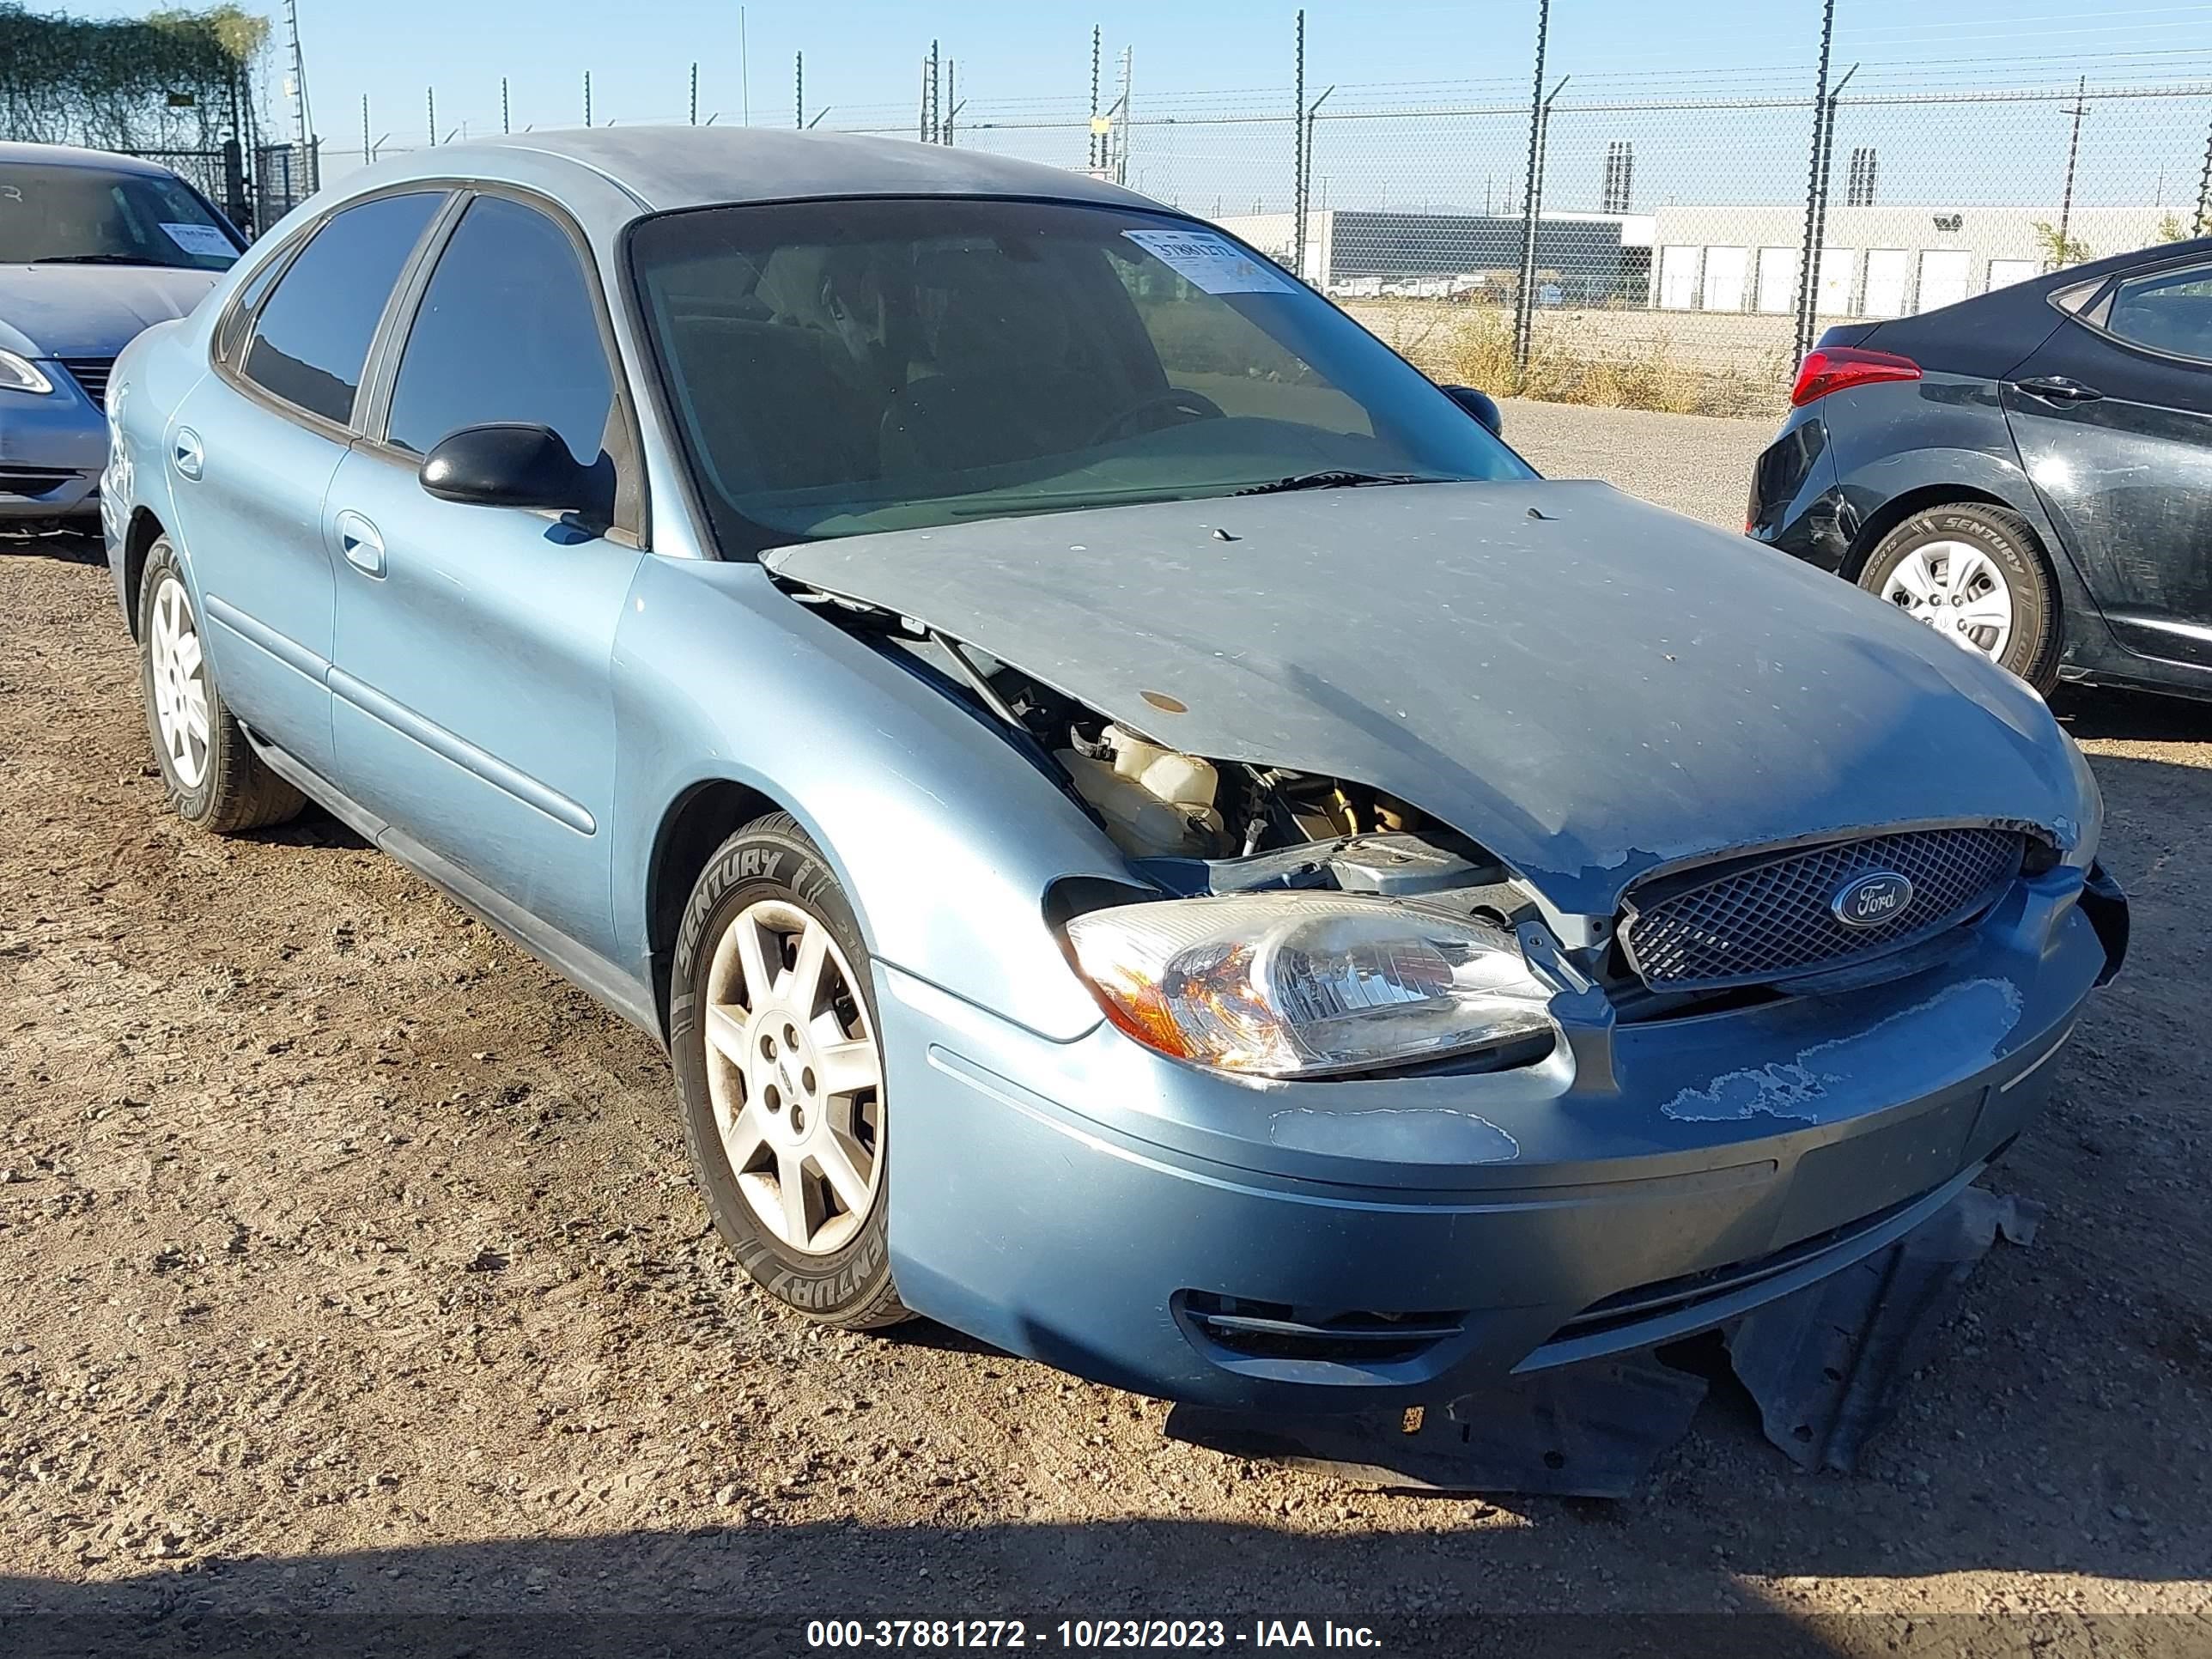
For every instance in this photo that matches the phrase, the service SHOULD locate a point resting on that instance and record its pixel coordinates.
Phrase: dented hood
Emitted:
(1588, 686)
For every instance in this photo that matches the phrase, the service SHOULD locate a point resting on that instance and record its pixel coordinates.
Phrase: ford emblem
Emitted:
(1877, 897)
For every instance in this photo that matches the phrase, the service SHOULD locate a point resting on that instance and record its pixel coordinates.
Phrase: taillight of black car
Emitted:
(1837, 368)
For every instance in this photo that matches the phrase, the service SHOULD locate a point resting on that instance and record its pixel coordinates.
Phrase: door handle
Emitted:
(362, 546)
(2058, 389)
(186, 453)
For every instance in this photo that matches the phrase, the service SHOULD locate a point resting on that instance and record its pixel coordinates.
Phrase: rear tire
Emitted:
(214, 779)
(778, 1066)
(1974, 573)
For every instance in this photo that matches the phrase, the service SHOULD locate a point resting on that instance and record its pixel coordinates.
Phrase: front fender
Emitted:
(944, 838)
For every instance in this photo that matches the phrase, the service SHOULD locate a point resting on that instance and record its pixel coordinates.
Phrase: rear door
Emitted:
(471, 676)
(252, 451)
(2113, 418)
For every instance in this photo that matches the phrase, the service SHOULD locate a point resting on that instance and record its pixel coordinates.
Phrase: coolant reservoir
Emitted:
(1145, 824)
(1184, 779)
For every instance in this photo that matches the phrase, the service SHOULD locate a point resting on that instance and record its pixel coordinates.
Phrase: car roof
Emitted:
(663, 168)
(68, 155)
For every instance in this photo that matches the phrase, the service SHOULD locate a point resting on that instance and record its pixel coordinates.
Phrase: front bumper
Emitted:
(1340, 1246)
(52, 447)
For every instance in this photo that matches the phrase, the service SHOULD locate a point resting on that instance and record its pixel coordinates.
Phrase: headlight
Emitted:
(1290, 986)
(21, 374)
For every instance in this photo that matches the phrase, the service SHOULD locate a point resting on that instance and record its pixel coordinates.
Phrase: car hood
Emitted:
(90, 311)
(1588, 685)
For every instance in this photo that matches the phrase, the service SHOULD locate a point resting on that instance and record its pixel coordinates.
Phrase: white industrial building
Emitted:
(1887, 260)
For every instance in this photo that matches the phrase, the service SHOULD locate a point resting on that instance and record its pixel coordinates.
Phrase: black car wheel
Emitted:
(772, 1026)
(1973, 572)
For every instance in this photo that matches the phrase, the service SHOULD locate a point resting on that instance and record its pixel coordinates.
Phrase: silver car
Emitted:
(93, 248)
(986, 667)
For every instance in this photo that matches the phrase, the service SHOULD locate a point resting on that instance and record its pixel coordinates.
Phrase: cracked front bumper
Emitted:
(1348, 1245)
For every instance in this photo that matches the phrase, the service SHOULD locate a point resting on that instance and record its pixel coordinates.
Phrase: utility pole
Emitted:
(1097, 134)
(936, 94)
(365, 156)
(1121, 147)
(1298, 155)
(303, 126)
(744, 69)
(695, 93)
(587, 98)
(503, 125)
(2073, 149)
(2204, 190)
(951, 101)
(922, 125)
(1806, 277)
(431, 96)
(1524, 321)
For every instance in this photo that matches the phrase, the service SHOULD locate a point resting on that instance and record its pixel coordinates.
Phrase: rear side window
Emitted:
(506, 331)
(313, 333)
(2171, 312)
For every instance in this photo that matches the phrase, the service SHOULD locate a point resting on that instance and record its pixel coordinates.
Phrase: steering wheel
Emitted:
(1195, 405)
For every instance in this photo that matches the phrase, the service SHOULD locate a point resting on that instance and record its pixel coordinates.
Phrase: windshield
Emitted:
(87, 216)
(842, 366)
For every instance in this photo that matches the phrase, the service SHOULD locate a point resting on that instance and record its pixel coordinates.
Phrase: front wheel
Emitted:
(779, 1066)
(1973, 572)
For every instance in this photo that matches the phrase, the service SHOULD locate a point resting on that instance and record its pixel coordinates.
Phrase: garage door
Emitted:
(1777, 278)
(1944, 275)
(1725, 268)
(1836, 264)
(1678, 278)
(1886, 271)
(2003, 273)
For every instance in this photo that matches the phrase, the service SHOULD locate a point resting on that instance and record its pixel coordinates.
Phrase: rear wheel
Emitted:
(215, 779)
(1973, 572)
(774, 1034)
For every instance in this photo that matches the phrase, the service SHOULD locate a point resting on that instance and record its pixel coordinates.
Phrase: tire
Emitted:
(1993, 547)
(214, 779)
(764, 1131)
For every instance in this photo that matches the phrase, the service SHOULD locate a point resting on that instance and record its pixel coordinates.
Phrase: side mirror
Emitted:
(515, 464)
(1480, 405)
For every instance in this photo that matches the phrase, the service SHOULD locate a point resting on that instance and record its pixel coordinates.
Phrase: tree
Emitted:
(2171, 230)
(177, 80)
(2058, 248)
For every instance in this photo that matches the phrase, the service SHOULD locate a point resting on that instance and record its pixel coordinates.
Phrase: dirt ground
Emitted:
(352, 1287)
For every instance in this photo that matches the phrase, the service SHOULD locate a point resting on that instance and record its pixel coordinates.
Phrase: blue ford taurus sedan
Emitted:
(986, 669)
(93, 248)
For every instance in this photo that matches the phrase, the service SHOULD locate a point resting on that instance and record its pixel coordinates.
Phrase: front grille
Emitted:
(31, 480)
(91, 373)
(1763, 920)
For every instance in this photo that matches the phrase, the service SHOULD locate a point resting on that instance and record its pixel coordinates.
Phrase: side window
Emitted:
(2171, 312)
(506, 331)
(239, 317)
(313, 335)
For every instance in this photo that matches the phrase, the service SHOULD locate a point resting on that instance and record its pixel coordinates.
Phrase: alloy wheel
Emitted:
(181, 687)
(795, 1076)
(1957, 590)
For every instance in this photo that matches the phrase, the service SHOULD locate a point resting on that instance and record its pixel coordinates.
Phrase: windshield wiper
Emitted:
(98, 259)
(1335, 478)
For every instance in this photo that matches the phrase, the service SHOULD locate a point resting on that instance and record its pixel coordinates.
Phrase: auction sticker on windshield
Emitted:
(1213, 265)
(198, 239)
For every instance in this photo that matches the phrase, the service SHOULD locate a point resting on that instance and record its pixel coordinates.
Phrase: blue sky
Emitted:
(1023, 60)
(862, 54)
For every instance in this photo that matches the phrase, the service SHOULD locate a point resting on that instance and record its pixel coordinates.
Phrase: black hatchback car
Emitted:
(2028, 471)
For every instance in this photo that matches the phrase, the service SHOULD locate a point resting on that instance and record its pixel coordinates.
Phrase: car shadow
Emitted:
(72, 544)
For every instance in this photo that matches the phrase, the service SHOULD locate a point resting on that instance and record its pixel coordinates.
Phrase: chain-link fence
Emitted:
(1686, 235)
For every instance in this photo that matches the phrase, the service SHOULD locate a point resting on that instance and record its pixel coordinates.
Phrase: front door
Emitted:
(471, 679)
(2113, 418)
